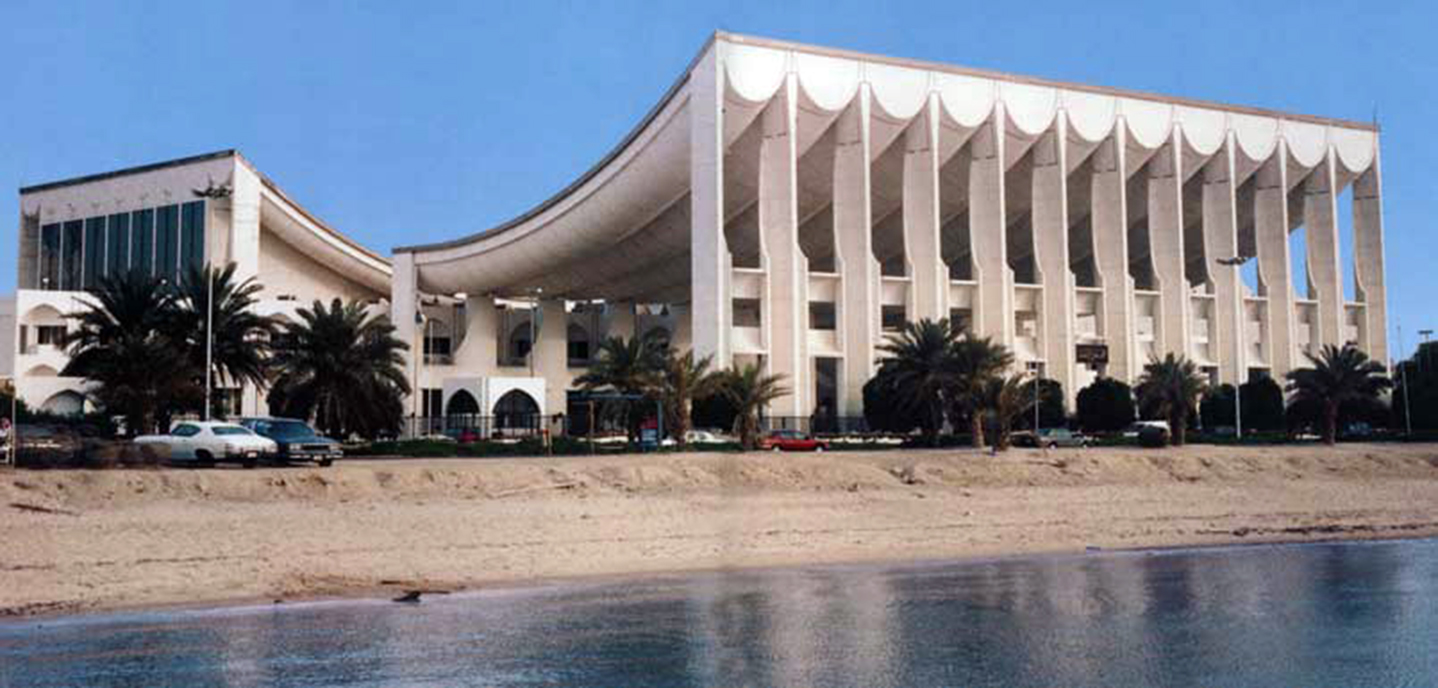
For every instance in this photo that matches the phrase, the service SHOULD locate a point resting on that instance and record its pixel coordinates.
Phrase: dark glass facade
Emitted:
(162, 242)
(72, 238)
(142, 241)
(167, 242)
(49, 257)
(94, 249)
(192, 236)
(117, 244)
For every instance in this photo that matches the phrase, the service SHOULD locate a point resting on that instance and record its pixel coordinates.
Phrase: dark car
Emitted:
(792, 440)
(296, 439)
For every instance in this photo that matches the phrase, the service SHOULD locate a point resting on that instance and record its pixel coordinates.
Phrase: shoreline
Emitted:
(373, 594)
(153, 540)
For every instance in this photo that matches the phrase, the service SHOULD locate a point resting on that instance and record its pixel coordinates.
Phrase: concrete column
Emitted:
(245, 222)
(1165, 222)
(1220, 240)
(927, 272)
(552, 353)
(479, 354)
(1274, 264)
(1368, 245)
(621, 320)
(994, 316)
(403, 303)
(1110, 231)
(1051, 222)
(858, 301)
(786, 279)
(1320, 209)
(709, 280)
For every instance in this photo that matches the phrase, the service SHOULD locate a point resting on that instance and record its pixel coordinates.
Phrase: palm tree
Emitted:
(241, 338)
(1172, 387)
(343, 367)
(1006, 397)
(685, 379)
(976, 361)
(128, 342)
(918, 366)
(1338, 375)
(631, 367)
(749, 390)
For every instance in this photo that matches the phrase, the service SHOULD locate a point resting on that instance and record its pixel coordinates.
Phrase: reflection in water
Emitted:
(1349, 614)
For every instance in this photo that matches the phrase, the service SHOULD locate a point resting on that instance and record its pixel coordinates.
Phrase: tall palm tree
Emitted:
(1338, 375)
(918, 366)
(685, 378)
(128, 341)
(241, 338)
(976, 361)
(631, 367)
(1172, 386)
(1006, 397)
(343, 367)
(749, 390)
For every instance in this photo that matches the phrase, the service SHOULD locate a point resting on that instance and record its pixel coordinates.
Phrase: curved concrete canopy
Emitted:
(621, 231)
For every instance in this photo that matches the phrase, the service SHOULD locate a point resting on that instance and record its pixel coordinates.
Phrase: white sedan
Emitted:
(206, 442)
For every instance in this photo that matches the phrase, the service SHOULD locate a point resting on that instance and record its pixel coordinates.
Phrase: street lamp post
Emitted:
(209, 337)
(1236, 263)
(1407, 408)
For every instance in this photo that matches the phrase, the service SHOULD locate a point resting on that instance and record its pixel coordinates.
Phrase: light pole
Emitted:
(209, 337)
(1407, 410)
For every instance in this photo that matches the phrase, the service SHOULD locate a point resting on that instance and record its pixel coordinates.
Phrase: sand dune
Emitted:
(77, 540)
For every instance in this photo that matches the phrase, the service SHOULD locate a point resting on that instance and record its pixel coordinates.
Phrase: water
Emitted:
(1360, 614)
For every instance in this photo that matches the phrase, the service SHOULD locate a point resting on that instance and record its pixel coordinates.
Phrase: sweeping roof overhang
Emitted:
(621, 231)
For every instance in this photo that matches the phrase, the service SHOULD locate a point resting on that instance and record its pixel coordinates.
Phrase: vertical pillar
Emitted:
(403, 302)
(857, 268)
(1220, 240)
(1320, 208)
(709, 285)
(552, 353)
(479, 353)
(1051, 222)
(1274, 264)
(245, 222)
(987, 218)
(1110, 231)
(1165, 218)
(621, 320)
(928, 274)
(1368, 245)
(785, 283)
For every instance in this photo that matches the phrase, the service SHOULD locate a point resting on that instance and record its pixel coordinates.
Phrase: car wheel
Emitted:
(1052, 445)
(776, 448)
(326, 463)
(250, 462)
(203, 459)
(819, 449)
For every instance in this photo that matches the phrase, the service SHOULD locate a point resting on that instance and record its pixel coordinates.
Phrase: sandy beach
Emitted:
(80, 541)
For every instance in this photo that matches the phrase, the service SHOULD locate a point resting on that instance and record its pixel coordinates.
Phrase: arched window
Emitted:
(461, 404)
(65, 403)
(516, 409)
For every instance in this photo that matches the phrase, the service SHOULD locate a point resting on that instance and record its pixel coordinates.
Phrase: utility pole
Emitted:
(1240, 335)
(209, 337)
(1407, 408)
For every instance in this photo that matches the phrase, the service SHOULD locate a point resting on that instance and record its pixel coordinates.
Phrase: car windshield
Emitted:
(284, 429)
(230, 430)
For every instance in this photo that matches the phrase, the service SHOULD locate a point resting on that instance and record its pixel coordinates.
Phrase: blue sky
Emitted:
(401, 123)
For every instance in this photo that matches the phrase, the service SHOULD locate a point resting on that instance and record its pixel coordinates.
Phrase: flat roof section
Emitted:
(177, 162)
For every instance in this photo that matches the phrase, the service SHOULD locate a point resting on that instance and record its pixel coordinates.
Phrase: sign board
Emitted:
(1092, 354)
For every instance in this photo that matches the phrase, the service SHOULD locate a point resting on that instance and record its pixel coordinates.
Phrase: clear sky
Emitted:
(407, 122)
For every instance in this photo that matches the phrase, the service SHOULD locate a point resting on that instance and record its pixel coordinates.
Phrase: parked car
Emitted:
(1052, 437)
(209, 442)
(296, 440)
(1136, 429)
(791, 440)
(1153, 436)
(48, 445)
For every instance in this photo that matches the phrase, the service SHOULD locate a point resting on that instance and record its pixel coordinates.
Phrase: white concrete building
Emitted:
(214, 208)
(788, 205)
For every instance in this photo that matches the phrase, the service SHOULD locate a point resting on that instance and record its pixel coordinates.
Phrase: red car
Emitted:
(792, 440)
